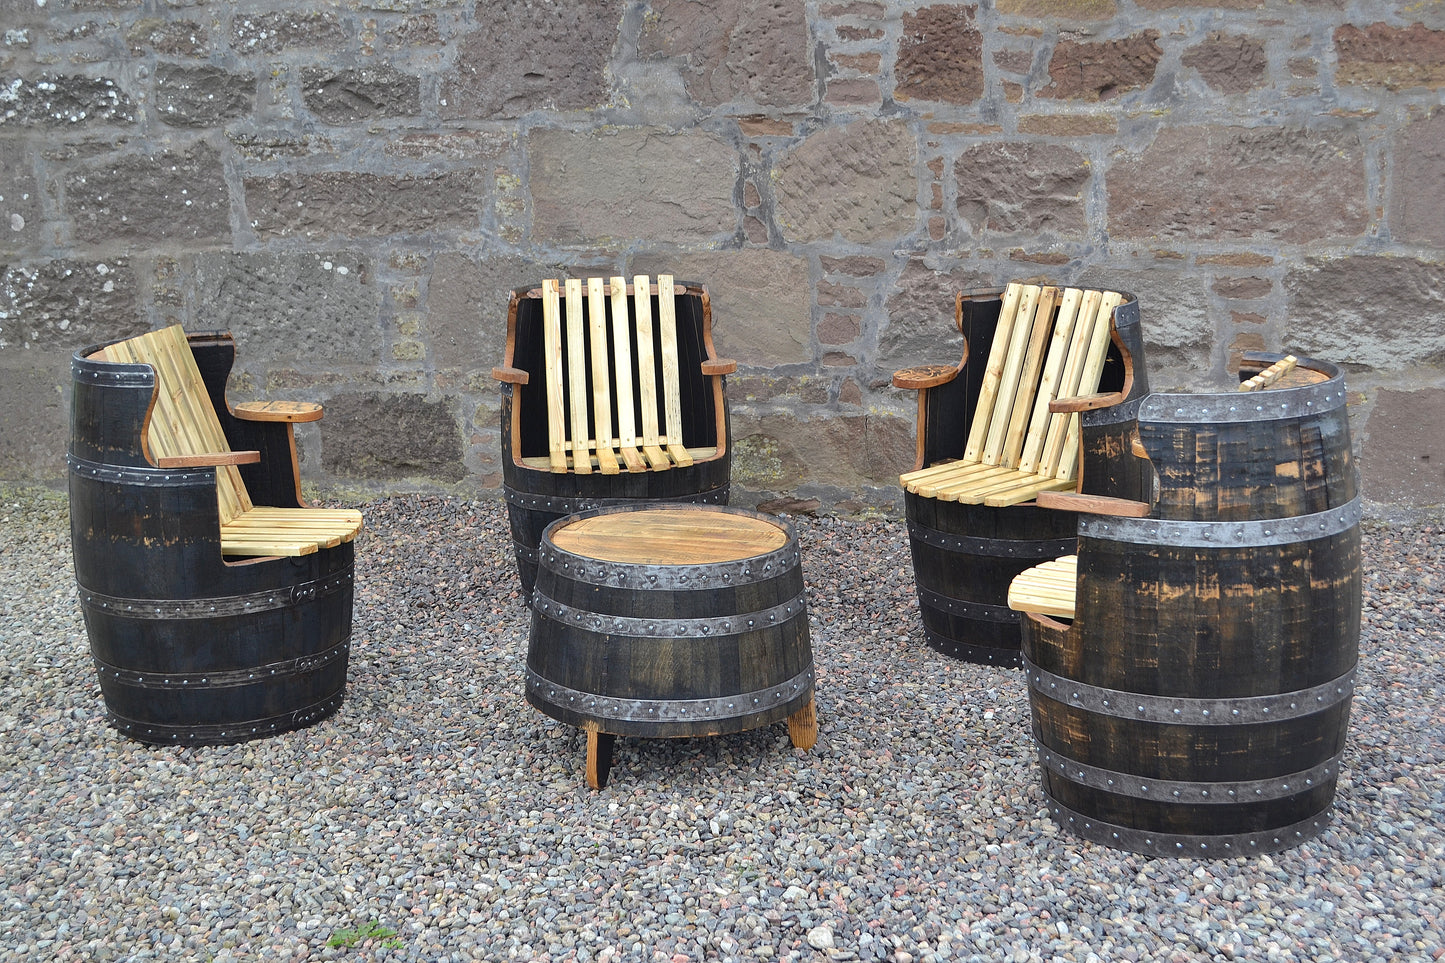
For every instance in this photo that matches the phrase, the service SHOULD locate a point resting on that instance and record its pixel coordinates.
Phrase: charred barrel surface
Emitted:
(190, 649)
(1200, 701)
(669, 620)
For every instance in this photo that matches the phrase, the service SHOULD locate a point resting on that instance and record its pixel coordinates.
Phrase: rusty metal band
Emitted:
(570, 506)
(713, 575)
(222, 606)
(224, 678)
(110, 373)
(992, 547)
(671, 710)
(1184, 845)
(1179, 710)
(640, 628)
(1247, 534)
(1113, 414)
(1244, 406)
(1194, 792)
(152, 477)
(964, 609)
(525, 553)
(230, 732)
(988, 654)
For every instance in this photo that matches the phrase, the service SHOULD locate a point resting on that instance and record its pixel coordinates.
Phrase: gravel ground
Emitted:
(439, 804)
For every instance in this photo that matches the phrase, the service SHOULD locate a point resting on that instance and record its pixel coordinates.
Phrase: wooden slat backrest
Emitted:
(183, 421)
(579, 420)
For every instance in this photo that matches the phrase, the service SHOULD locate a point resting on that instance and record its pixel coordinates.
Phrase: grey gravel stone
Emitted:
(437, 803)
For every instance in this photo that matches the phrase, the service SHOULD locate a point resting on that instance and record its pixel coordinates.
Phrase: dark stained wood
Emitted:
(963, 593)
(537, 497)
(1274, 615)
(678, 644)
(191, 649)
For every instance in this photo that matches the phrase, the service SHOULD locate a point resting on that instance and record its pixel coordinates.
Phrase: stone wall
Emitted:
(353, 188)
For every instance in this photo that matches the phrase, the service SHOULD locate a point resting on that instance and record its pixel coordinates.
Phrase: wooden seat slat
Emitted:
(577, 364)
(552, 360)
(671, 387)
(1048, 344)
(622, 368)
(1047, 589)
(183, 423)
(601, 379)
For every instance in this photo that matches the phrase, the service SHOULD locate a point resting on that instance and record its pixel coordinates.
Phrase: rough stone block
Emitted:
(56, 101)
(940, 55)
(1416, 214)
(169, 38)
(1229, 63)
(858, 182)
(19, 199)
(1022, 187)
(632, 183)
(1287, 184)
(533, 55)
(755, 51)
(269, 33)
(377, 436)
(1403, 456)
(36, 426)
(360, 93)
(920, 325)
(760, 312)
(778, 451)
(169, 196)
(357, 204)
(1380, 312)
(1390, 57)
(1179, 335)
(202, 96)
(1244, 288)
(304, 308)
(67, 304)
(1104, 70)
(466, 317)
(1059, 9)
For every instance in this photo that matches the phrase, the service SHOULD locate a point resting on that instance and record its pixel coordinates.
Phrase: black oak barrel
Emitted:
(965, 556)
(670, 620)
(1199, 703)
(537, 496)
(191, 648)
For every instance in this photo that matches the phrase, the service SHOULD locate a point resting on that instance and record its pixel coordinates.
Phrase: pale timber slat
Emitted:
(184, 423)
(622, 349)
(552, 359)
(1008, 386)
(1046, 589)
(671, 389)
(993, 373)
(601, 382)
(647, 373)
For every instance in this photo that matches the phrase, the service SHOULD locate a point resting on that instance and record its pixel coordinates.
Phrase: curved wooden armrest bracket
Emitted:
(1093, 504)
(924, 376)
(209, 459)
(1103, 399)
(719, 366)
(514, 376)
(292, 411)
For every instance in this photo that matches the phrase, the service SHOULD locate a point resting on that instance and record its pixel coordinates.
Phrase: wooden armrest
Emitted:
(1094, 504)
(719, 366)
(514, 376)
(209, 459)
(925, 376)
(293, 411)
(1085, 402)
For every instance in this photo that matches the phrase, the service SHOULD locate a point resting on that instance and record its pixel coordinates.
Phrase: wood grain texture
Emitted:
(670, 536)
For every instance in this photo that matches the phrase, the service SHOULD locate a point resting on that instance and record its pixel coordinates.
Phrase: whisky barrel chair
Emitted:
(218, 605)
(612, 393)
(1197, 703)
(1042, 400)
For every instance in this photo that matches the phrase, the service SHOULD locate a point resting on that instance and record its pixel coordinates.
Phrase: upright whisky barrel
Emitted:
(190, 649)
(965, 556)
(1199, 703)
(670, 620)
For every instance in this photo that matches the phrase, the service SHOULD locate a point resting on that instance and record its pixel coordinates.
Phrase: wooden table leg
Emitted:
(803, 725)
(599, 757)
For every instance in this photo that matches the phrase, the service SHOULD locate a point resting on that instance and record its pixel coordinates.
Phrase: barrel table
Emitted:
(670, 620)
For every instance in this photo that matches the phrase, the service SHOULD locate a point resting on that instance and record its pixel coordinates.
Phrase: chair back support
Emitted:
(182, 421)
(587, 382)
(1048, 345)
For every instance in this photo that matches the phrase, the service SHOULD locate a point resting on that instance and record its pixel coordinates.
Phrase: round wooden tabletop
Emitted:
(671, 535)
